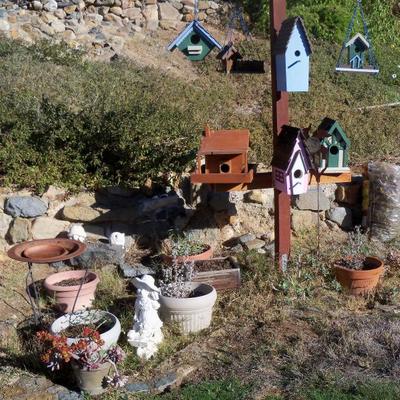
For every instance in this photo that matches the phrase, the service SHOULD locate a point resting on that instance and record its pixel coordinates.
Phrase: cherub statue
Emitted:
(77, 232)
(146, 333)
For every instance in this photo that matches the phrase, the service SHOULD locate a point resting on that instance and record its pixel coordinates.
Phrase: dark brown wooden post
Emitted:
(280, 112)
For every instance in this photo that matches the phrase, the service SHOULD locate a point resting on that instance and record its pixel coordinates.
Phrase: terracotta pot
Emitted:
(109, 337)
(205, 255)
(359, 282)
(65, 295)
(92, 381)
(192, 314)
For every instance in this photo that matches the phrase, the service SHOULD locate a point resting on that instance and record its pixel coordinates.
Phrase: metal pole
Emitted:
(280, 112)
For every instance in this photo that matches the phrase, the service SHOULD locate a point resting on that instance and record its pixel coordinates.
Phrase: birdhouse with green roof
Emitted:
(195, 42)
(335, 146)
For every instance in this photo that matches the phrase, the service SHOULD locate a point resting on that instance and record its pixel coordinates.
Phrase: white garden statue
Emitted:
(77, 232)
(118, 238)
(146, 334)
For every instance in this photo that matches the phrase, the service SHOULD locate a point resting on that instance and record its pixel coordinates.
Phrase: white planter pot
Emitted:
(192, 314)
(109, 337)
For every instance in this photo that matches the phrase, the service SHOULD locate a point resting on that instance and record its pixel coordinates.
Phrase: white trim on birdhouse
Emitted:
(358, 36)
(195, 50)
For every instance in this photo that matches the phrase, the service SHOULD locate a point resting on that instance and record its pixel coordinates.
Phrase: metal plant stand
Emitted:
(44, 251)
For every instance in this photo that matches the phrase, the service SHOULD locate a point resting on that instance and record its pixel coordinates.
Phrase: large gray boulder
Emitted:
(25, 206)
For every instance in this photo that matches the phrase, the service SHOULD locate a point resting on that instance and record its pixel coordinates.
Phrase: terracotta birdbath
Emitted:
(43, 251)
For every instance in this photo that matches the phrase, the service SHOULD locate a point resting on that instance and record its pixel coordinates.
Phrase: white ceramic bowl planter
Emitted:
(194, 313)
(110, 337)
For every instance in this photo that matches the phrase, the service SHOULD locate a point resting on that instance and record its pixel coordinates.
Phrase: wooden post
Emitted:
(280, 112)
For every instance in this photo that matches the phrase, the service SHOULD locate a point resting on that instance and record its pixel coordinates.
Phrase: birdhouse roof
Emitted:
(358, 37)
(285, 147)
(200, 30)
(225, 142)
(286, 32)
(229, 51)
(327, 127)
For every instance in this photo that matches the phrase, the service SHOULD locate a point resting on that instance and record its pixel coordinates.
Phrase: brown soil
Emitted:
(213, 265)
(75, 331)
(75, 281)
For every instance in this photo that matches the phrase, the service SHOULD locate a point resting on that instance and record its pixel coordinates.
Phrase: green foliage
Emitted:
(369, 391)
(228, 389)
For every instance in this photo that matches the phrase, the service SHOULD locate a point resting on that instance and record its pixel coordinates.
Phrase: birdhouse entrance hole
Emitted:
(298, 174)
(225, 168)
(195, 38)
(334, 150)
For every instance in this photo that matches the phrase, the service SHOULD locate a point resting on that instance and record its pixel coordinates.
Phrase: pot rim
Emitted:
(208, 249)
(194, 285)
(65, 319)
(380, 266)
(60, 276)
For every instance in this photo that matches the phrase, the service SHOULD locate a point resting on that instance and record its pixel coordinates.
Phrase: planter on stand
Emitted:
(111, 329)
(193, 313)
(362, 281)
(69, 292)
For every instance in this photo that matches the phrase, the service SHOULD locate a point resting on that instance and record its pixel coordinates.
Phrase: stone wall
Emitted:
(84, 20)
(216, 218)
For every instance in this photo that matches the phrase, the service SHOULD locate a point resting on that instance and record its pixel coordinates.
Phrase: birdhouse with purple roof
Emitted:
(291, 164)
(292, 55)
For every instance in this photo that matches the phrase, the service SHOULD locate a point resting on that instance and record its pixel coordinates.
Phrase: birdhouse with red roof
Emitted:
(291, 164)
(223, 158)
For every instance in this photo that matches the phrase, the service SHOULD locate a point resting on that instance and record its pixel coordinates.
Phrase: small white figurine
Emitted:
(77, 232)
(118, 238)
(146, 334)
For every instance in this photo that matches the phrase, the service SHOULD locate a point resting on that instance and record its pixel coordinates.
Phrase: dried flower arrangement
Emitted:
(175, 278)
(354, 251)
(179, 245)
(86, 353)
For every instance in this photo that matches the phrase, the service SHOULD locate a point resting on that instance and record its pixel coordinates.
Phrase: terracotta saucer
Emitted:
(46, 250)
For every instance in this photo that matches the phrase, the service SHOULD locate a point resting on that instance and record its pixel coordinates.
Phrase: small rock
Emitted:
(255, 244)
(342, 216)
(304, 220)
(131, 271)
(70, 9)
(25, 206)
(60, 14)
(98, 255)
(116, 10)
(79, 213)
(309, 201)
(37, 5)
(246, 238)
(51, 5)
(58, 26)
(4, 25)
(48, 228)
(165, 382)
(137, 387)
(19, 230)
(169, 12)
(5, 221)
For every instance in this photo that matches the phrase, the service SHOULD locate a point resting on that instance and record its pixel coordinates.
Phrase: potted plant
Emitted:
(357, 272)
(72, 290)
(188, 303)
(106, 323)
(95, 368)
(184, 248)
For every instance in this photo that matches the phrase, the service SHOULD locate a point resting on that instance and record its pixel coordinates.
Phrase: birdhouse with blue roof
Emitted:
(292, 57)
(357, 47)
(335, 146)
(195, 42)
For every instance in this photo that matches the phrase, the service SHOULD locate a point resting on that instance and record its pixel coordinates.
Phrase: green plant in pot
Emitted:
(95, 368)
(190, 304)
(357, 271)
(181, 248)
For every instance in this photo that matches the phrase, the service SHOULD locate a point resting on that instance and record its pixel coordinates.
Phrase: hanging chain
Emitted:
(196, 10)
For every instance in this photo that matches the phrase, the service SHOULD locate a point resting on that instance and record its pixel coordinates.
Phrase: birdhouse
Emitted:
(291, 164)
(292, 55)
(229, 55)
(335, 146)
(223, 158)
(195, 42)
(357, 46)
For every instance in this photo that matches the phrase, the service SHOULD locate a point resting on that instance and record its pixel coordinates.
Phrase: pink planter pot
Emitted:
(206, 255)
(65, 295)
